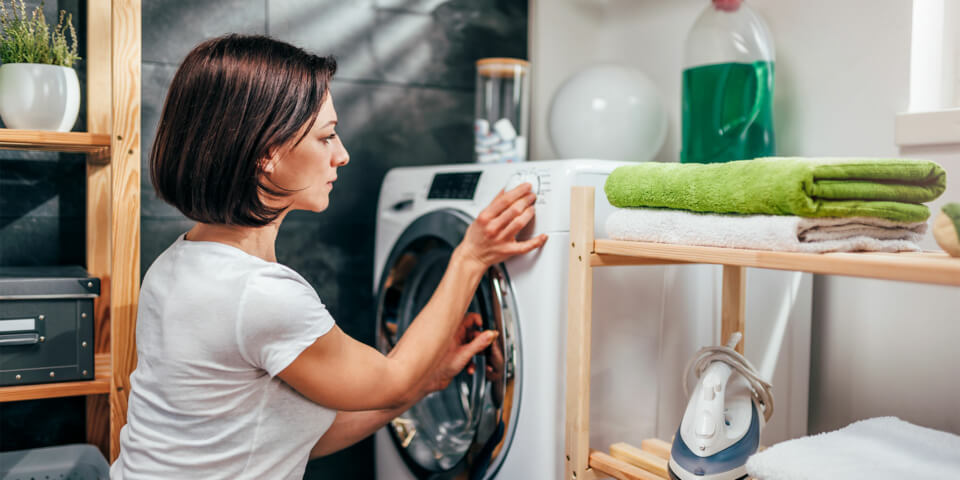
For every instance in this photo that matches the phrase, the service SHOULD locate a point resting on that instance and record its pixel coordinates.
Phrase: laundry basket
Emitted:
(67, 462)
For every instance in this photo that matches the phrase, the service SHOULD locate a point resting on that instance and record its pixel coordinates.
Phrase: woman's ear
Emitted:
(269, 165)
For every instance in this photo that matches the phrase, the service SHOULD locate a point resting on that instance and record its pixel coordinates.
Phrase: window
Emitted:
(934, 112)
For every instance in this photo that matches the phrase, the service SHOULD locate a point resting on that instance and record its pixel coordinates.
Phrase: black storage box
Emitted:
(46, 324)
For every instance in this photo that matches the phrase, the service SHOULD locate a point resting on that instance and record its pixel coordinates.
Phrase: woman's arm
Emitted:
(350, 427)
(344, 374)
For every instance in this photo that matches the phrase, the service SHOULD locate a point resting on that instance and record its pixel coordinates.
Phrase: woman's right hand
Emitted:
(492, 237)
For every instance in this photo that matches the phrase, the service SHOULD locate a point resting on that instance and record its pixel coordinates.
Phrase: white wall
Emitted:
(842, 74)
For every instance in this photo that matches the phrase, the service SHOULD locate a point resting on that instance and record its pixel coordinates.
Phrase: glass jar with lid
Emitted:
(502, 110)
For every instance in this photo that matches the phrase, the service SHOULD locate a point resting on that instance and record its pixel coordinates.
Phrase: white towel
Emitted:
(764, 232)
(875, 449)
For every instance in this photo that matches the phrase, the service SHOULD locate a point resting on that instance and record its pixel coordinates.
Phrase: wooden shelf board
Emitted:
(616, 468)
(82, 142)
(99, 385)
(922, 267)
(653, 467)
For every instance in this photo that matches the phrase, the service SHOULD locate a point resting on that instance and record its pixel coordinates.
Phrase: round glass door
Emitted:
(464, 430)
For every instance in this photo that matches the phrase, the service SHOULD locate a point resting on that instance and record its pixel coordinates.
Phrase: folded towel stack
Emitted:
(875, 449)
(791, 204)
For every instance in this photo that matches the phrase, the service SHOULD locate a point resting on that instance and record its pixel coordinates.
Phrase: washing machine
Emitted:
(507, 421)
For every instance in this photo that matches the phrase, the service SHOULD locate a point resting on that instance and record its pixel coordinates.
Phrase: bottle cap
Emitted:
(727, 5)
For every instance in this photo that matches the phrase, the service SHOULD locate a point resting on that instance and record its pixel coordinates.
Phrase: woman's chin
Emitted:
(320, 206)
(315, 202)
(315, 207)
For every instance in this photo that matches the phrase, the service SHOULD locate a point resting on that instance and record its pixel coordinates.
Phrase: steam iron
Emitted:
(721, 426)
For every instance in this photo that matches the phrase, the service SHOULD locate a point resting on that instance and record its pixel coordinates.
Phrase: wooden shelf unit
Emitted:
(99, 385)
(112, 215)
(80, 142)
(586, 253)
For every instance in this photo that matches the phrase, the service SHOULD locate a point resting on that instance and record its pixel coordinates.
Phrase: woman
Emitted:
(242, 372)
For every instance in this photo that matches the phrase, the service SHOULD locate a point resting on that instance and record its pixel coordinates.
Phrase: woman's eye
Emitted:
(329, 138)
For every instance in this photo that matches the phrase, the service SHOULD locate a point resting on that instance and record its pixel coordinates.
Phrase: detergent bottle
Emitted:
(728, 86)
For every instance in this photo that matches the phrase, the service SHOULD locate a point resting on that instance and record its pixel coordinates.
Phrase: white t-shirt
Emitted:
(215, 325)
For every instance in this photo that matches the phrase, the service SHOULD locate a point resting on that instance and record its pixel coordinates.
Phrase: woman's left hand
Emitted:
(467, 342)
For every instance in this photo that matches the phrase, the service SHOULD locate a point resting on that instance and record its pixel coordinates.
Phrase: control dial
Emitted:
(524, 177)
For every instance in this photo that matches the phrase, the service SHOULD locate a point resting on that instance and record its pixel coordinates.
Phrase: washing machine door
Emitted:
(465, 430)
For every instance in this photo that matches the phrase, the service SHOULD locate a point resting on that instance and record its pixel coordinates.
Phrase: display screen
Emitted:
(457, 186)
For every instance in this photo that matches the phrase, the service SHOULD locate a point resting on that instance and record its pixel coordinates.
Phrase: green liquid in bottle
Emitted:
(727, 112)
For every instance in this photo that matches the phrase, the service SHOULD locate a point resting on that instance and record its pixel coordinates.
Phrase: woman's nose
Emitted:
(342, 157)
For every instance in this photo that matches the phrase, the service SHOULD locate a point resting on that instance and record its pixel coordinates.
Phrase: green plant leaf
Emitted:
(29, 39)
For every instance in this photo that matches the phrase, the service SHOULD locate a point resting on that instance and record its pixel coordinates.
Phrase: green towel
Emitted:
(805, 187)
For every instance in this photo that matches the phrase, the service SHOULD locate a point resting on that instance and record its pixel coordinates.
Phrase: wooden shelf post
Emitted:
(125, 207)
(734, 308)
(580, 303)
(113, 204)
(98, 205)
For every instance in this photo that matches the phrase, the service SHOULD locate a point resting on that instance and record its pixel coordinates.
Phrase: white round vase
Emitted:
(39, 97)
(610, 112)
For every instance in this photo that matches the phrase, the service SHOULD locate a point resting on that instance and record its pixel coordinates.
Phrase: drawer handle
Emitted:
(11, 339)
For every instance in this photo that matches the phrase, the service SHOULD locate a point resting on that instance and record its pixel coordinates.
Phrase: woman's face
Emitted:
(310, 167)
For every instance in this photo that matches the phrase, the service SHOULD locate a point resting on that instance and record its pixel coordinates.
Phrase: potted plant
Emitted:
(39, 89)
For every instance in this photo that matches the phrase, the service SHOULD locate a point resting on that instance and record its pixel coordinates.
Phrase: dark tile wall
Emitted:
(404, 95)
(42, 197)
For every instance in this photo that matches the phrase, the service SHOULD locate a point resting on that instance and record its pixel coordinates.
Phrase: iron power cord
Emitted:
(761, 389)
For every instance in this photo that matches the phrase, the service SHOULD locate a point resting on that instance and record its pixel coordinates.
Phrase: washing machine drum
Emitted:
(465, 430)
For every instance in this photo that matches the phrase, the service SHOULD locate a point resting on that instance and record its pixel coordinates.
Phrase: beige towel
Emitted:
(765, 232)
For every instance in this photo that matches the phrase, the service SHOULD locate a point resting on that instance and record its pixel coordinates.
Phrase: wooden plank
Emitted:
(622, 260)
(99, 173)
(98, 407)
(927, 267)
(734, 304)
(79, 142)
(657, 447)
(98, 420)
(125, 200)
(98, 248)
(99, 68)
(639, 458)
(579, 306)
(99, 385)
(98, 203)
(619, 469)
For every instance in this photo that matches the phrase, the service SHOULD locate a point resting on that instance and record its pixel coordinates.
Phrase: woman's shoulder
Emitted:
(276, 278)
(278, 284)
(275, 300)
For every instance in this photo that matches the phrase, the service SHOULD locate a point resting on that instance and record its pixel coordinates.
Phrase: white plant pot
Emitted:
(39, 97)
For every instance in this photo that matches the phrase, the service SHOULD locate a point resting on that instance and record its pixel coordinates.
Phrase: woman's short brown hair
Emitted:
(235, 101)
